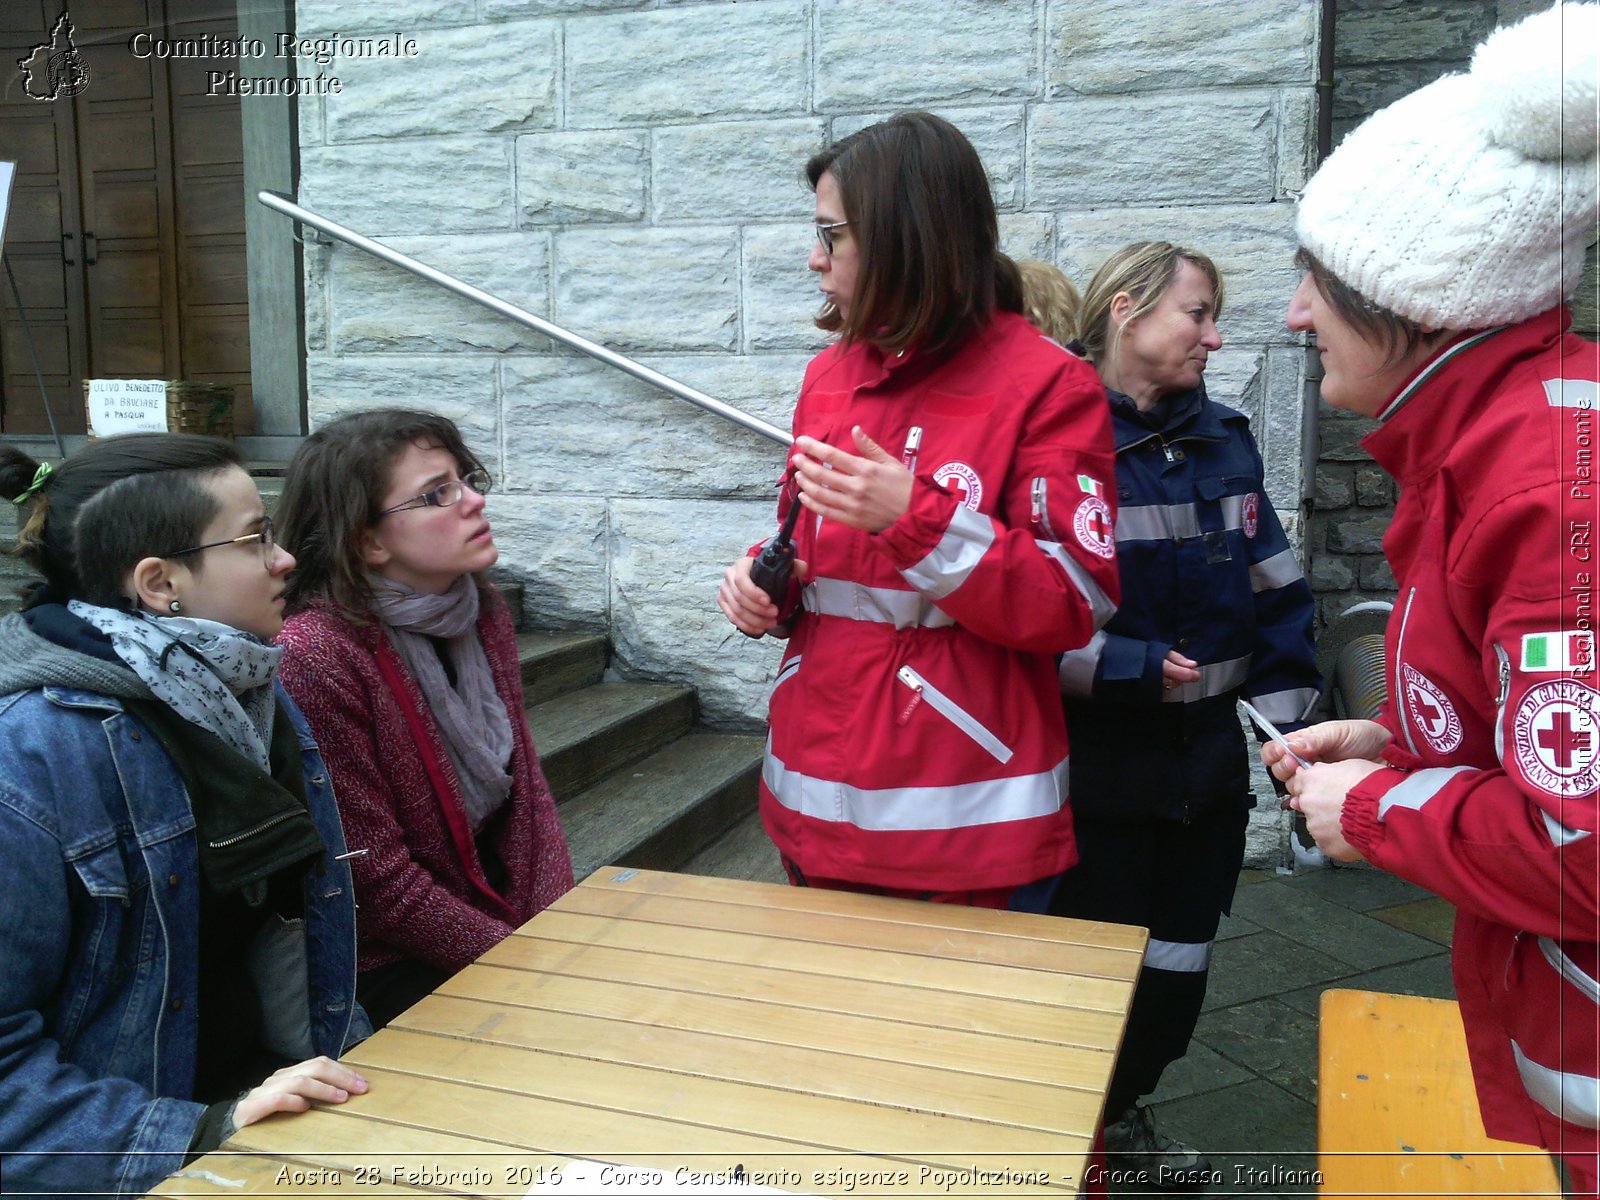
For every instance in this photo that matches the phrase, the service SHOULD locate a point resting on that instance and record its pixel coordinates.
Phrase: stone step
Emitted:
(744, 851)
(554, 663)
(584, 735)
(662, 810)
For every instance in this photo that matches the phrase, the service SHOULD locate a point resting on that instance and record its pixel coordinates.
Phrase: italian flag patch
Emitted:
(1091, 486)
(1561, 651)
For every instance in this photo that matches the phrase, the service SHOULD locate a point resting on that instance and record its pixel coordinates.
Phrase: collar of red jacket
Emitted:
(1428, 415)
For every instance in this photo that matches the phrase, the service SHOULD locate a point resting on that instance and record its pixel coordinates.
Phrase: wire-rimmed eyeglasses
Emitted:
(825, 235)
(447, 493)
(262, 535)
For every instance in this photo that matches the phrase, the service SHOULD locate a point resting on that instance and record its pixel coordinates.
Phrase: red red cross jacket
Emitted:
(1490, 800)
(917, 735)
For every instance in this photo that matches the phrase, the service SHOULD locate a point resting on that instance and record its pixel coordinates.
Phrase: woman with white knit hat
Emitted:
(1440, 242)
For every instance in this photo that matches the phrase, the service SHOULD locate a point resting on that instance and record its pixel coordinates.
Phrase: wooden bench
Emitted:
(1397, 1114)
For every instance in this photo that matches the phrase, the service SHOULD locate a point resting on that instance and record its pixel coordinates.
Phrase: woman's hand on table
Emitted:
(292, 1089)
(869, 491)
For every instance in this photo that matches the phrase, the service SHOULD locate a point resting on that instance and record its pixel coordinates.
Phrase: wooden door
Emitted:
(138, 268)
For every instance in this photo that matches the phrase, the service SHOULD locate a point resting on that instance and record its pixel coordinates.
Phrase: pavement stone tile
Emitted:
(1329, 927)
(1265, 1038)
(1201, 1070)
(1357, 887)
(1260, 1139)
(1233, 926)
(1424, 977)
(1268, 964)
(1432, 918)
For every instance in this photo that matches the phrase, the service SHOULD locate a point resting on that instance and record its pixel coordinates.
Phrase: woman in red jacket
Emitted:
(1440, 241)
(918, 746)
(404, 660)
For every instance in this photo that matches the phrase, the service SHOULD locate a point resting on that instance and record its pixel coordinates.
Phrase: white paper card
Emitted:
(126, 405)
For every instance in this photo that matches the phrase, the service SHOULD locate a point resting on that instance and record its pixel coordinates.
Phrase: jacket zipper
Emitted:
(922, 690)
(1399, 684)
(223, 843)
(1500, 702)
(1041, 507)
(908, 457)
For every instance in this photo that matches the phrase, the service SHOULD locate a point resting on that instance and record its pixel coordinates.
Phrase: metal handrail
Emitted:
(505, 308)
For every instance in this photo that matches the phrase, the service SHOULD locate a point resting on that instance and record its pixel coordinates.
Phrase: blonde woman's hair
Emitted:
(1049, 300)
(1145, 270)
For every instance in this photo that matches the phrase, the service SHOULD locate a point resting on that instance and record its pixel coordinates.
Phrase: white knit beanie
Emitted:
(1469, 202)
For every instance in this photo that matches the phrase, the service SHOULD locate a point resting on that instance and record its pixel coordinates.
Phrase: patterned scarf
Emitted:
(471, 716)
(210, 674)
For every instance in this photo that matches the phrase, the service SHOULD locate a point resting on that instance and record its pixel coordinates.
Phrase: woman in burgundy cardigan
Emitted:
(404, 660)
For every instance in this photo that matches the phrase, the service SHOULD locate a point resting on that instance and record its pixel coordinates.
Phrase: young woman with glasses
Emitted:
(953, 466)
(181, 919)
(405, 661)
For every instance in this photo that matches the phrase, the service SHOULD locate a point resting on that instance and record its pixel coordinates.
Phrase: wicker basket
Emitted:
(193, 407)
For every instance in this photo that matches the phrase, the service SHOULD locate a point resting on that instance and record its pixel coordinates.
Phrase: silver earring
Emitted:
(175, 608)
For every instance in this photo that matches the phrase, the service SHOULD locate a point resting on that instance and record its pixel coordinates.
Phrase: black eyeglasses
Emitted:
(447, 493)
(825, 235)
(263, 535)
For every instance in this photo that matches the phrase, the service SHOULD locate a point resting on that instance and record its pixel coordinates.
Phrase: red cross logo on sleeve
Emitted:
(1092, 525)
(1554, 737)
(1561, 741)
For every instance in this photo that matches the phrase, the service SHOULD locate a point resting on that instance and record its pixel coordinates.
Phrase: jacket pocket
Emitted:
(923, 691)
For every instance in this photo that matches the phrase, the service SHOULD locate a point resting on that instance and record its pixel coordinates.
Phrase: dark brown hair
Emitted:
(116, 501)
(331, 494)
(918, 202)
(1376, 324)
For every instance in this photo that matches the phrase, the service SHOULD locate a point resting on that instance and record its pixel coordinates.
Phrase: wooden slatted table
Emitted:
(652, 1030)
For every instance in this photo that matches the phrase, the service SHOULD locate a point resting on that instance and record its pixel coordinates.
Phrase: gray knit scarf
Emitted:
(471, 716)
(210, 674)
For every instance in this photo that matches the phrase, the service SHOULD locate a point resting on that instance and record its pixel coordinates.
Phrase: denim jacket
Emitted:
(99, 952)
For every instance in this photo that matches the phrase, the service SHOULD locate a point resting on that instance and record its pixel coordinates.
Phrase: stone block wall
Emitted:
(1384, 49)
(631, 170)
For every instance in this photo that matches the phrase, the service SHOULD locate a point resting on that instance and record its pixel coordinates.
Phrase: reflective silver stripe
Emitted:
(1216, 679)
(1572, 393)
(1561, 835)
(1100, 606)
(789, 669)
(1162, 522)
(947, 565)
(1398, 691)
(1569, 970)
(903, 610)
(1282, 569)
(1078, 666)
(1157, 522)
(1189, 957)
(904, 809)
(1282, 708)
(1419, 787)
(1572, 1098)
(956, 715)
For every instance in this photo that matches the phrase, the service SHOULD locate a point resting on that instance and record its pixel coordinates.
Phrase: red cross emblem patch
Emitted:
(1430, 710)
(1092, 525)
(1556, 732)
(1250, 514)
(962, 480)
